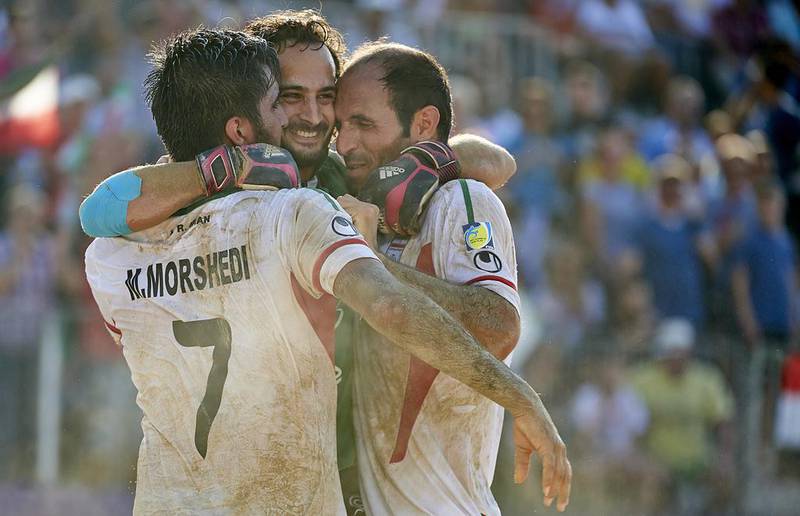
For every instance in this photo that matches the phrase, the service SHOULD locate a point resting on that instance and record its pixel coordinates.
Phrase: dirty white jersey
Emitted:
(225, 317)
(427, 444)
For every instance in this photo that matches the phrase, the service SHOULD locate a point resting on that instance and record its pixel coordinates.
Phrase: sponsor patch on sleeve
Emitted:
(478, 235)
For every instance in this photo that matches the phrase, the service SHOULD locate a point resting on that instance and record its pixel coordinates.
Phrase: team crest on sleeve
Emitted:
(343, 227)
(478, 235)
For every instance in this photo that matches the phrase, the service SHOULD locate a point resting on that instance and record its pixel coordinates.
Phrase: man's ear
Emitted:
(239, 131)
(424, 124)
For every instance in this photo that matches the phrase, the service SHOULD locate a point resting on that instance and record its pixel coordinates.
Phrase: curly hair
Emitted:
(307, 27)
(200, 79)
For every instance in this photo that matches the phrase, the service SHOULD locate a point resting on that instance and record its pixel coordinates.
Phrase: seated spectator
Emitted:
(690, 406)
(672, 247)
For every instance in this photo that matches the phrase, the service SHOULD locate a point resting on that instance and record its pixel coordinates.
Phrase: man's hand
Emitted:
(402, 188)
(535, 432)
(258, 166)
(365, 217)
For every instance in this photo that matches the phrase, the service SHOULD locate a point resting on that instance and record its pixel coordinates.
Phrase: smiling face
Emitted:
(370, 133)
(308, 91)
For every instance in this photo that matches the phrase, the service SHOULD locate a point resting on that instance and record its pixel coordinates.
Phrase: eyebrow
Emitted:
(361, 118)
(294, 87)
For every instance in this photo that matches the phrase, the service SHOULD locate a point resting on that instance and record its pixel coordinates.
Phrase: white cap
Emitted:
(674, 336)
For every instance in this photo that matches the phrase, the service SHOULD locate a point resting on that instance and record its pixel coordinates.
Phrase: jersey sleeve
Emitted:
(477, 245)
(321, 241)
(101, 290)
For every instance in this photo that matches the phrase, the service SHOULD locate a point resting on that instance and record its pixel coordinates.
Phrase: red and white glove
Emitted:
(402, 188)
(258, 166)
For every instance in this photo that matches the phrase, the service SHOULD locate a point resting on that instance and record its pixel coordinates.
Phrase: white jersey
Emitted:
(225, 317)
(426, 443)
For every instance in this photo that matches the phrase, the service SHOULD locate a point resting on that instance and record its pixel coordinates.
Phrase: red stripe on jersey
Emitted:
(113, 328)
(327, 252)
(419, 380)
(491, 278)
(321, 314)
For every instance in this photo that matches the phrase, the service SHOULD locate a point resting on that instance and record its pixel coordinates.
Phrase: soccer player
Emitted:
(217, 307)
(311, 54)
(426, 444)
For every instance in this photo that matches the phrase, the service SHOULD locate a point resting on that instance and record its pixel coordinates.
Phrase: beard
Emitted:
(304, 156)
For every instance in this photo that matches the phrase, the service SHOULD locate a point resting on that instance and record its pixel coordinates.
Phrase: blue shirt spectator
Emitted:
(764, 275)
(769, 257)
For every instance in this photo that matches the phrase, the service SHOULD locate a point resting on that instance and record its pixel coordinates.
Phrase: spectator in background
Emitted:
(738, 26)
(28, 278)
(617, 24)
(734, 214)
(571, 303)
(571, 306)
(587, 107)
(634, 318)
(776, 77)
(680, 130)
(736, 30)
(609, 418)
(537, 186)
(690, 407)
(765, 288)
(467, 96)
(612, 203)
(672, 247)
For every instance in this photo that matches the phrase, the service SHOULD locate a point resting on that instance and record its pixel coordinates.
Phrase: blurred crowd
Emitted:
(656, 209)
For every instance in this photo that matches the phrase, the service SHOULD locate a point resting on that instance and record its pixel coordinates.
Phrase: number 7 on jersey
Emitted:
(215, 333)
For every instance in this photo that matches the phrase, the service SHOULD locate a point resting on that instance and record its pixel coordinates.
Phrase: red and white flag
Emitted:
(29, 117)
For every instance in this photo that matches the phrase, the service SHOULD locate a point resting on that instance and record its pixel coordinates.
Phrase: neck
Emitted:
(307, 173)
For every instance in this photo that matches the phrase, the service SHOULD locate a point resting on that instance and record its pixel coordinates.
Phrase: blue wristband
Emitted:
(105, 212)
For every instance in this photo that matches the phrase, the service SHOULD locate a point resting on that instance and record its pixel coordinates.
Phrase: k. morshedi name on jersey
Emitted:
(187, 275)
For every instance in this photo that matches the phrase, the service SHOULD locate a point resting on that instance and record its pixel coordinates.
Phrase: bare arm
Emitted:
(421, 327)
(487, 316)
(166, 189)
(483, 160)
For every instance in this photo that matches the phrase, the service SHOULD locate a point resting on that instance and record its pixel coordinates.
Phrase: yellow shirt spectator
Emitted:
(684, 409)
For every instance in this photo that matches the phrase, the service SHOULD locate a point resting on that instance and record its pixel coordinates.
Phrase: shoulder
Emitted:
(466, 195)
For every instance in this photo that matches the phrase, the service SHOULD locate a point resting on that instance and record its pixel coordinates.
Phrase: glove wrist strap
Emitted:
(216, 169)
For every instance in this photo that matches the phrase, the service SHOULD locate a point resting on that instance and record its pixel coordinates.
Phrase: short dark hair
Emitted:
(307, 27)
(200, 79)
(413, 78)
